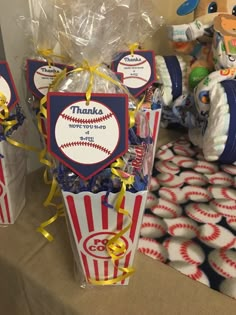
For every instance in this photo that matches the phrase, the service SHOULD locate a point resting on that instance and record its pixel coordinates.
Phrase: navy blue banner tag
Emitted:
(139, 70)
(7, 86)
(87, 138)
(40, 75)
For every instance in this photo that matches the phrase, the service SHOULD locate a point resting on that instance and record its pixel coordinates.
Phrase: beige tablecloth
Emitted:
(37, 277)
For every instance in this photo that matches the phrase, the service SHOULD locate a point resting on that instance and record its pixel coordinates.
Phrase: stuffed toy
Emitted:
(187, 89)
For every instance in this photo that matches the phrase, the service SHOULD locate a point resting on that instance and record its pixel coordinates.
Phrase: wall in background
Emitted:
(15, 46)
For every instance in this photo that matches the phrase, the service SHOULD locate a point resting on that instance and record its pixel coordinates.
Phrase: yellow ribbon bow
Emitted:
(133, 47)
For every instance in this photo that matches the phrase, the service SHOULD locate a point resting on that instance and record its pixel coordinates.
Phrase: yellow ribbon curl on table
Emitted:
(116, 247)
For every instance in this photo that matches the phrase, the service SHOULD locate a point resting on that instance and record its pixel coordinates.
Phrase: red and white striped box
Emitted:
(154, 118)
(12, 179)
(93, 223)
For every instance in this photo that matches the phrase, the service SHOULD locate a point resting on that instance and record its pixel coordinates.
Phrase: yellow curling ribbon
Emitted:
(8, 125)
(133, 47)
(41, 229)
(48, 54)
(116, 247)
(94, 70)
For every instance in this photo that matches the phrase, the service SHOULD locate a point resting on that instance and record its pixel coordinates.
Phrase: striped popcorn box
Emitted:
(93, 223)
(12, 178)
(154, 117)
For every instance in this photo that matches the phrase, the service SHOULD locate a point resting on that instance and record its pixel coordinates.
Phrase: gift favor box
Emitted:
(93, 222)
(12, 178)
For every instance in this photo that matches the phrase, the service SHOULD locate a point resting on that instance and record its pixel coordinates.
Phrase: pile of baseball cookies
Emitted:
(190, 220)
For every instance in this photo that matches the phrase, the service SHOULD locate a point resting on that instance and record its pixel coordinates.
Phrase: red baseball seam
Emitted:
(86, 121)
(231, 219)
(192, 216)
(194, 178)
(205, 213)
(172, 194)
(223, 206)
(152, 252)
(220, 270)
(184, 254)
(204, 167)
(197, 193)
(197, 275)
(180, 163)
(161, 207)
(169, 179)
(153, 225)
(213, 236)
(225, 194)
(229, 261)
(85, 144)
(230, 170)
(214, 179)
(181, 226)
(169, 167)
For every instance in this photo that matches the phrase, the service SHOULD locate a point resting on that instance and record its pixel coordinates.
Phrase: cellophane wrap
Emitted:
(91, 32)
(143, 21)
(43, 47)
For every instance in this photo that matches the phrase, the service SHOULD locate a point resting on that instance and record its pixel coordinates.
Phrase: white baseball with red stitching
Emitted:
(183, 142)
(183, 161)
(193, 178)
(152, 226)
(170, 180)
(228, 287)
(205, 167)
(166, 209)
(220, 178)
(152, 249)
(164, 155)
(202, 213)
(196, 193)
(192, 271)
(230, 169)
(223, 262)
(174, 195)
(183, 150)
(216, 236)
(151, 200)
(182, 249)
(226, 208)
(154, 184)
(222, 193)
(182, 227)
(231, 222)
(167, 167)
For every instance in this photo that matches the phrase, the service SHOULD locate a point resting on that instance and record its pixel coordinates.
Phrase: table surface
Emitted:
(37, 277)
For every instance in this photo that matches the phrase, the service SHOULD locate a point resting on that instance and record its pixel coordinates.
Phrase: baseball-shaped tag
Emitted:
(136, 70)
(83, 132)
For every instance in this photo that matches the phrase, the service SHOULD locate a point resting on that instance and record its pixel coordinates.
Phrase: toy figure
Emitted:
(190, 90)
